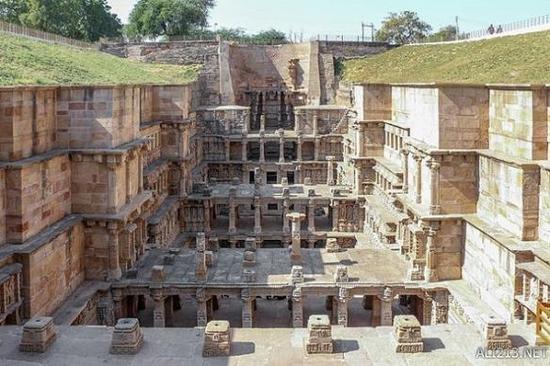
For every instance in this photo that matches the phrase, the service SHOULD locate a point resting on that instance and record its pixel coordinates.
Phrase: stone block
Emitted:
(249, 258)
(341, 274)
(496, 333)
(408, 334)
(311, 192)
(127, 337)
(308, 181)
(284, 181)
(248, 275)
(38, 335)
(217, 339)
(157, 274)
(296, 275)
(332, 246)
(250, 244)
(319, 339)
(210, 258)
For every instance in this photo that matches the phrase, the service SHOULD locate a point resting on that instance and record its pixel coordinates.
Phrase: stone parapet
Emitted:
(38, 335)
(408, 334)
(127, 337)
(319, 339)
(217, 339)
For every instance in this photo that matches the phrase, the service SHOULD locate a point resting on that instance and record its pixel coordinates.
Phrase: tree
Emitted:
(154, 18)
(86, 20)
(444, 34)
(404, 27)
(271, 36)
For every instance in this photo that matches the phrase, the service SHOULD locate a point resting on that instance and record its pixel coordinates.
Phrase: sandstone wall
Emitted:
(518, 123)
(373, 102)
(90, 117)
(544, 204)
(458, 183)
(171, 103)
(508, 196)
(463, 118)
(489, 268)
(38, 194)
(53, 271)
(3, 198)
(448, 243)
(343, 50)
(27, 122)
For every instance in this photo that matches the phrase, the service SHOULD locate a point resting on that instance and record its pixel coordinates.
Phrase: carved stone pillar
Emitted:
(440, 307)
(232, 210)
(115, 271)
(247, 309)
(418, 178)
(281, 146)
(376, 311)
(311, 216)
(315, 123)
(434, 167)
(297, 309)
(427, 309)
(244, 150)
(262, 123)
(257, 215)
(262, 148)
(286, 211)
(227, 150)
(207, 215)
(112, 186)
(386, 316)
(202, 312)
(117, 304)
(159, 318)
(299, 148)
(405, 166)
(140, 172)
(430, 274)
(335, 215)
(182, 181)
(330, 170)
(317, 149)
(342, 307)
(296, 218)
(360, 143)
(298, 174)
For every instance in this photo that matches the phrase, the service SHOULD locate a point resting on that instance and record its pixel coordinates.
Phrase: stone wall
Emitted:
(544, 204)
(27, 122)
(38, 194)
(458, 183)
(53, 271)
(373, 102)
(518, 122)
(343, 50)
(449, 246)
(508, 196)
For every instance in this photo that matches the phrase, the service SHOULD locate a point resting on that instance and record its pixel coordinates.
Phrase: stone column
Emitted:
(244, 150)
(440, 307)
(128, 180)
(376, 311)
(342, 304)
(262, 148)
(299, 147)
(182, 181)
(257, 215)
(430, 274)
(262, 123)
(317, 149)
(115, 271)
(315, 123)
(281, 146)
(202, 312)
(418, 178)
(434, 167)
(247, 308)
(405, 166)
(207, 223)
(246, 122)
(140, 172)
(227, 150)
(296, 218)
(298, 174)
(335, 215)
(232, 210)
(297, 309)
(117, 304)
(386, 316)
(112, 186)
(159, 318)
(297, 125)
(360, 144)
(330, 170)
(286, 211)
(311, 216)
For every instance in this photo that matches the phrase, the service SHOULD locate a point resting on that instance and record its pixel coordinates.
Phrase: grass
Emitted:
(513, 59)
(26, 61)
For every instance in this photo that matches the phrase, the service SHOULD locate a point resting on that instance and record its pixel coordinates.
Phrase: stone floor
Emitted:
(447, 345)
(377, 266)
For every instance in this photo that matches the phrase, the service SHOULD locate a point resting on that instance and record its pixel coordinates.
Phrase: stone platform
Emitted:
(83, 346)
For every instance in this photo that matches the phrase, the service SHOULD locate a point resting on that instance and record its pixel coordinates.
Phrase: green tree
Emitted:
(154, 18)
(271, 36)
(404, 27)
(86, 20)
(444, 34)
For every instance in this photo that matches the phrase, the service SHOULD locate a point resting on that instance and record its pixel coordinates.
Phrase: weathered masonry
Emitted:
(262, 195)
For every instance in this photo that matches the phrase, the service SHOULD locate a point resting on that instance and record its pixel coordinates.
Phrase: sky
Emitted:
(344, 17)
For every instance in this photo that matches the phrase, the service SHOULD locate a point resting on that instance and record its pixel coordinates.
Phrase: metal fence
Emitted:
(45, 36)
(344, 38)
(522, 25)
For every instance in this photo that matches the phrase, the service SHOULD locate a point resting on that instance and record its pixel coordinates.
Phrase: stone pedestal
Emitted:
(296, 219)
(127, 337)
(496, 333)
(319, 339)
(296, 275)
(408, 334)
(341, 274)
(332, 246)
(38, 335)
(249, 258)
(248, 275)
(217, 339)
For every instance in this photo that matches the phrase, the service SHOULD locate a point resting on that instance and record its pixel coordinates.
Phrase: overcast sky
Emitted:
(344, 17)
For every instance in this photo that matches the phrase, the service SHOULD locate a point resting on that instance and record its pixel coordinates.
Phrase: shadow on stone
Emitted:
(518, 341)
(432, 344)
(242, 348)
(345, 345)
